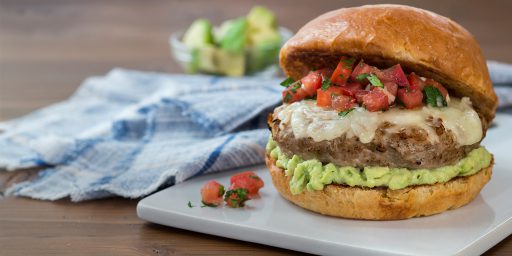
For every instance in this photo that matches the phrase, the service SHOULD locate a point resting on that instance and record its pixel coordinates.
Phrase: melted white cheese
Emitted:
(305, 119)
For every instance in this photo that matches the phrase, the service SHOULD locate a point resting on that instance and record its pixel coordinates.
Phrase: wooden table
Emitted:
(48, 47)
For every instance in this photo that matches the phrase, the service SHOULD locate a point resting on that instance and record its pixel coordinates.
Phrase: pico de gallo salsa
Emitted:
(357, 84)
(243, 186)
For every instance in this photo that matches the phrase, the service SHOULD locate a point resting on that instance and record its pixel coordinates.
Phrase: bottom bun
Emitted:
(383, 203)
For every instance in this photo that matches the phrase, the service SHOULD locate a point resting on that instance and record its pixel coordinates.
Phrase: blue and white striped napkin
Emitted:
(129, 133)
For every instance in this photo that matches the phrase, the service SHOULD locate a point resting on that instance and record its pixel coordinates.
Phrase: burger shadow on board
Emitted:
(472, 218)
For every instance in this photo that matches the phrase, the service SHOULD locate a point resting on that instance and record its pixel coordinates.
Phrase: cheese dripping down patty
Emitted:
(306, 119)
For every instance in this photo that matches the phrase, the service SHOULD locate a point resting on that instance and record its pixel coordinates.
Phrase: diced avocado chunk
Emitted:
(230, 63)
(265, 49)
(264, 38)
(204, 59)
(262, 26)
(261, 18)
(198, 37)
(239, 46)
(217, 61)
(233, 35)
(199, 34)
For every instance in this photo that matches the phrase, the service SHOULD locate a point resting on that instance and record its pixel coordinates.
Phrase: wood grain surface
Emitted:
(48, 47)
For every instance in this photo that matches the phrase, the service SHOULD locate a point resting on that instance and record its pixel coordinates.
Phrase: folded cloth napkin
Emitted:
(501, 76)
(130, 132)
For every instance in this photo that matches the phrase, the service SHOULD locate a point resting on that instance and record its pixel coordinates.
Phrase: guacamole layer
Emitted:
(314, 175)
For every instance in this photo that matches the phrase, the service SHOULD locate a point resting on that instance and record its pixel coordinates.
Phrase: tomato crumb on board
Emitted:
(243, 187)
(248, 180)
(211, 193)
(236, 198)
(356, 84)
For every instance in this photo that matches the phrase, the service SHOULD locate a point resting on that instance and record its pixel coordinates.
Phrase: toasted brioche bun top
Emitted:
(383, 35)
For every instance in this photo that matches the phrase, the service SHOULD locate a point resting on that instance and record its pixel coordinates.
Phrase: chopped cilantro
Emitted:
(344, 113)
(362, 77)
(288, 97)
(190, 205)
(287, 82)
(347, 63)
(236, 197)
(294, 87)
(375, 81)
(221, 190)
(326, 84)
(434, 97)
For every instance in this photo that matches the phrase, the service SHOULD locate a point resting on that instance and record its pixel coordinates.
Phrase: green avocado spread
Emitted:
(314, 175)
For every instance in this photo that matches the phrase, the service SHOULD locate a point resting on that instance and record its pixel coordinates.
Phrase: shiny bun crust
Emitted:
(383, 204)
(383, 35)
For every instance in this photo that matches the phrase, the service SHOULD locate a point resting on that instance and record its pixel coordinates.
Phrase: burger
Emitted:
(383, 112)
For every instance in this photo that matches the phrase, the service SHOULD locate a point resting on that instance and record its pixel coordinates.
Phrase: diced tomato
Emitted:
(391, 88)
(394, 74)
(362, 68)
(324, 98)
(360, 94)
(342, 71)
(437, 85)
(375, 100)
(311, 82)
(351, 88)
(211, 193)
(242, 175)
(293, 94)
(325, 72)
(248, 180)
(411, 98)
(343, 102)
(415, 82)
(236, 197)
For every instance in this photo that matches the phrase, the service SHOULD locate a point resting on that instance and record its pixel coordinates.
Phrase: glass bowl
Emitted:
(253, 66)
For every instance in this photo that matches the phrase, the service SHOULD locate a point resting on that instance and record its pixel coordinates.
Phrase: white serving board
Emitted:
(271, 220)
